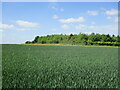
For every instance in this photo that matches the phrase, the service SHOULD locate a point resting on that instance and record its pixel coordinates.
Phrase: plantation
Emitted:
(45, 66)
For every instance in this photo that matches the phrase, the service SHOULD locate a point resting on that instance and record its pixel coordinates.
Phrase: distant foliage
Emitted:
(80, 39)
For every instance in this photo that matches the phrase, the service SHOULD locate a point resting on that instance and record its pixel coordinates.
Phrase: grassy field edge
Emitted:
(72, 45)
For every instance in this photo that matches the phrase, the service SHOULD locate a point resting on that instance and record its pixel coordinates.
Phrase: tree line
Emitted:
(78, 39)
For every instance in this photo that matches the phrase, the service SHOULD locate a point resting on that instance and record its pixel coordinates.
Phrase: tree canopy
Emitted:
(78, 39)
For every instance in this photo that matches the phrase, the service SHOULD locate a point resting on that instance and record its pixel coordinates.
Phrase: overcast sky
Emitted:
(22, 21)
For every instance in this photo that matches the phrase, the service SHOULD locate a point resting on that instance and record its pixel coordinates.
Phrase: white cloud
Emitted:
(115, 19)
(65, 26)
(104, 9)
(52, 0)
(92, 27)
(111, 29)
(109, 18)
(111, 12)
(93, 22)
(81, 26)
(54, 8)
(6, 26)
(94, 13)
(72, 20)
(1, 30)
(55, 17)
(54, 29)
(88, 32)
(106, 29)
(103, 27)
(61, 9)
(23, 29)
(26, 23)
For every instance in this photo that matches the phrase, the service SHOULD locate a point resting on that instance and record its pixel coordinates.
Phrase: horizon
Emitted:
(23, 21)
(58, 34)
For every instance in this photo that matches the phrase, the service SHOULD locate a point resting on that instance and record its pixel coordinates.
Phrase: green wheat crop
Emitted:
(38, 66)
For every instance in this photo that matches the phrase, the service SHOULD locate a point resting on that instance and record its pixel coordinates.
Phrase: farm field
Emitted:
(44, 66)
